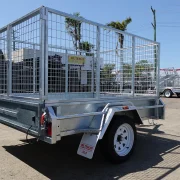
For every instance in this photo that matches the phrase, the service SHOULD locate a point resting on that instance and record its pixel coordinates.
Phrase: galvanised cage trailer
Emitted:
(169, 83)
(62, 75)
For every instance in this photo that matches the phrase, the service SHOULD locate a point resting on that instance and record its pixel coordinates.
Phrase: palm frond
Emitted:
(120, 25)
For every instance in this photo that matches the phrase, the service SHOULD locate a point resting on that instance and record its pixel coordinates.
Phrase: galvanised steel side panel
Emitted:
(21, 115)
(144, 108)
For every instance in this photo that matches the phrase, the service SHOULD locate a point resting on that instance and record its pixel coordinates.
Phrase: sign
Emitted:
(76, 60)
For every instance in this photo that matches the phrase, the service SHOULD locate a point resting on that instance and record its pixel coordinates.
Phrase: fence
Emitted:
(48, 53)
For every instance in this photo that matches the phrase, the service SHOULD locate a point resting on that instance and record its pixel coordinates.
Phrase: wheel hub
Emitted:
(119, 138)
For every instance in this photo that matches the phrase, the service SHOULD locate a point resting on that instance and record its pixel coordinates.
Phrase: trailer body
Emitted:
(63, 75)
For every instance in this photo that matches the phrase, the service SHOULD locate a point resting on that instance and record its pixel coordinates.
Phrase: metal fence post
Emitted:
(42, 53)
(9, 57)
(98, 63)
(34, 69)
(66, 74)
(157, 68)
(121, 69)
(46, 53)
(133, 66)
(92, 75)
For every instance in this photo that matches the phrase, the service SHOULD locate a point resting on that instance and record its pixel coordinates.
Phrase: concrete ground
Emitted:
(157, 155)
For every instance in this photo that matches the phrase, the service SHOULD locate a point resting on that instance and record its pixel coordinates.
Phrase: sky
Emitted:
(104, 11)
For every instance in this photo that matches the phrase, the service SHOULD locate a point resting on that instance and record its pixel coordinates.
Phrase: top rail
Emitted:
(35, 12)
(23, 18)
(95, 23)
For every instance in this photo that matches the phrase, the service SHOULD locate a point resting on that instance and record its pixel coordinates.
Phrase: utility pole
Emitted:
(155, 51)
(154, 23)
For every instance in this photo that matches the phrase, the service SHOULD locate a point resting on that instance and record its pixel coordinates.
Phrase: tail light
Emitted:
(42, 119)
(49, 129)
(46, 124)
(125, 107)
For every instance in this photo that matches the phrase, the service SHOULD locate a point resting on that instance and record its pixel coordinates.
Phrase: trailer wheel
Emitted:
(168, 93)
(119, 141)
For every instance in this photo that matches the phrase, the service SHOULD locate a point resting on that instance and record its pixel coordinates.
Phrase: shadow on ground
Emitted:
(60, 161)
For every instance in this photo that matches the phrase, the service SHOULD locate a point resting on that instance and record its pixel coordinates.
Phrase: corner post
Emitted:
(43, 54)
(157, 69)
(133, 66)
(9, 58)
(98, 63)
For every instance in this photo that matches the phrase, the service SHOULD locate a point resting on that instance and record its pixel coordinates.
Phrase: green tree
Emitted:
(86, 46)
(127, 75)
(74, 29)
(1, 55)
(120, 26)
(142, 69)
(123, 27)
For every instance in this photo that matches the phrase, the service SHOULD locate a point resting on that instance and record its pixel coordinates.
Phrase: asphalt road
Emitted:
(157, 154)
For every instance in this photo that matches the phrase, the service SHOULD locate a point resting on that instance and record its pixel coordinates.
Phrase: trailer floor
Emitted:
(157, 155)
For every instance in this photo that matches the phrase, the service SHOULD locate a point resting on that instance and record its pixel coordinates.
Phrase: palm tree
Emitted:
(123, 27)
(87, 47)
(74, 29)
(120, 26)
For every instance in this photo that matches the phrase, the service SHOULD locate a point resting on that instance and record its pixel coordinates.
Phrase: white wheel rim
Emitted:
(123, 139)
(167, 93)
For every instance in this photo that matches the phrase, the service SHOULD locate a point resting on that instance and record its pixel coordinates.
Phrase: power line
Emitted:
(169, 26)
(141, 29)
(169, 11)
(168, 22)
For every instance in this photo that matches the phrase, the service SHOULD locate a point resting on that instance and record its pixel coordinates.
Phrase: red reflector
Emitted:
(125, 107)
(42, 118)
(49, 129)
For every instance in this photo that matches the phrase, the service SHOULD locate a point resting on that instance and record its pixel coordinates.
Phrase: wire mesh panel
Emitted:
(146, 54)
(3, 62)
(73, 43)
(26, 56)
(116, 55)
(127, 64)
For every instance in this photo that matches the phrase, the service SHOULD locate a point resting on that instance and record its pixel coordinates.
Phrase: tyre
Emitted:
(119, 140)
(168, 93)
(178, 95)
